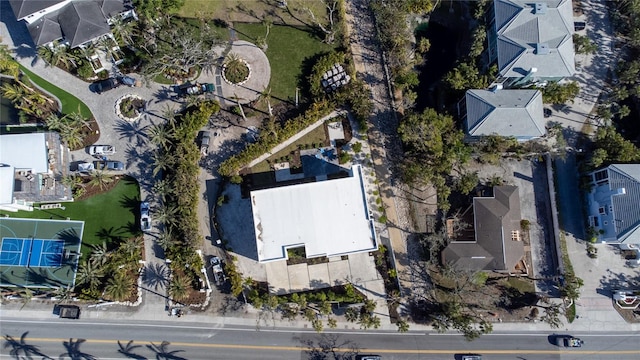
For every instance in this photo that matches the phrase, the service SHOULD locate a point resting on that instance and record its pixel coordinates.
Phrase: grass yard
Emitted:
(70, 103)
(315, 136)
(522, 285)
(249, 11)
(106, 216)
(287, 51)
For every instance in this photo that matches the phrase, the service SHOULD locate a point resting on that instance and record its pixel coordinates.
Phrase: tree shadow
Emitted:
(74, 352)
(328, 346)
(132, 131)
(20, 349)
(128, 350)
(162, 352)
(110, 235)
(155, 275)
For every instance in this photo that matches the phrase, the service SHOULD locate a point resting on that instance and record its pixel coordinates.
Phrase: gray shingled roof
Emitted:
(520, 28)
(23, 8)
(82, 21)
(626, 207)
(45, 30)
(517, 113)
(111, 8)
(493, 249)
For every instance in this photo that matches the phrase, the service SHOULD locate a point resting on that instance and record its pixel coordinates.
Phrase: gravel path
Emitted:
(385, 144)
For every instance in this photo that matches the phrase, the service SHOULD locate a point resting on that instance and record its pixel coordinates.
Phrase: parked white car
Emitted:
(145, 219)
(99, 150)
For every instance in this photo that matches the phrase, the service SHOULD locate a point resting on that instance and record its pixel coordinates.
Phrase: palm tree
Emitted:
(166, 214)
(26, 295)
(160, 135)
(64, 293)
(89, 274)
(100, 179)
(131, 246)
(166, 240)
(122, 31)
(76, 119)
(265, 96)
(119, 287)
(54, 122)
(237, 99)
(72, 136)
(162, 189)
(162, 161)
(7, 64)
(179, 288)
(57, 54)
(100, 255)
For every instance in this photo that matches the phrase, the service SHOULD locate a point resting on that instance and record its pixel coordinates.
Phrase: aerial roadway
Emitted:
(80, 339)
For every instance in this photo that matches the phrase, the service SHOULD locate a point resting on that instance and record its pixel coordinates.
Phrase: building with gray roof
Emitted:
(512, 113)
(614, 204)
(497, 244)
(532, 41)
(75, 22)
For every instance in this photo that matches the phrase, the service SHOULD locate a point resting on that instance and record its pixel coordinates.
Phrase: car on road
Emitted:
(67, 311)
(471, 357)
(104, 85)
(145, 219)
(368, 357)
(109, 165)
(101, 150)
(568, 341)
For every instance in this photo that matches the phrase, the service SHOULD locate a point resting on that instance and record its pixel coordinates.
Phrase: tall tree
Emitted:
(179, 288)
(89, 274)
(119, 287)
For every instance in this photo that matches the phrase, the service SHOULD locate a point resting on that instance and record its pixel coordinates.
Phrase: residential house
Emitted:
(497, 241)
(510, 113)
(326, 223)
(532, 41)
(72, 22)
(31, 166)
(614, 204)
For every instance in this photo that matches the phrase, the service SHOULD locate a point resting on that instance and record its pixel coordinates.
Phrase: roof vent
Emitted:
(542, 49)
(496, 88)
(619, 191)
(540, 8)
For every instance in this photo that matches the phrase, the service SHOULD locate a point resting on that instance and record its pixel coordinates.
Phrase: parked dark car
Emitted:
(104, 85)
(67, 311)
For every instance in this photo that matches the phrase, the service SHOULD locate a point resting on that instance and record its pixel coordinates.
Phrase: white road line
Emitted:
(222, 328)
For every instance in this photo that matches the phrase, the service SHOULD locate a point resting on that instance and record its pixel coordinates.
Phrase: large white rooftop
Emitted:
(328, 218)
(6, 184)
(25, 152)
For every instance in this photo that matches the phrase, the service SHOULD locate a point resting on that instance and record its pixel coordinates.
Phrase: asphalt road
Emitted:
(110, 340)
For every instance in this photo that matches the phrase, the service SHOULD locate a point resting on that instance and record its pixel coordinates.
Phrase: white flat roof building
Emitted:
(329, 218)
(25, 152)
(6, 184)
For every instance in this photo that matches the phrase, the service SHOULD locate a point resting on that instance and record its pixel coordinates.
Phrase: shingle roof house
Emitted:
(76, 21)
(516, 113)
(614, 203)
(533, 40)
(497, 245)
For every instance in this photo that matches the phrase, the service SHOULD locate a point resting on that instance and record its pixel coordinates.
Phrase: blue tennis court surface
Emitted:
(31, 252)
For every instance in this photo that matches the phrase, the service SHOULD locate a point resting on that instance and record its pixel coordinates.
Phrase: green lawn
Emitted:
(106, 216)
(288, 48)
(70, 103)
(248, 11)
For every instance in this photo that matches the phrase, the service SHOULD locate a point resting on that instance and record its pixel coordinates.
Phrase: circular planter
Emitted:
(130, 107)
(234, 81)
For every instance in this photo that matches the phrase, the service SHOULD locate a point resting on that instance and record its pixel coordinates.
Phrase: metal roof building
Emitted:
(533, 39)
(517, 113)
(329, 218)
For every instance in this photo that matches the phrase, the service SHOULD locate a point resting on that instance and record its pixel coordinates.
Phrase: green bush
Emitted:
(85, 70)
(357, 147)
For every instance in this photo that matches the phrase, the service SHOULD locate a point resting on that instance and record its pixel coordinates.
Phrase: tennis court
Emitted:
(31, 252)
(39, 253)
